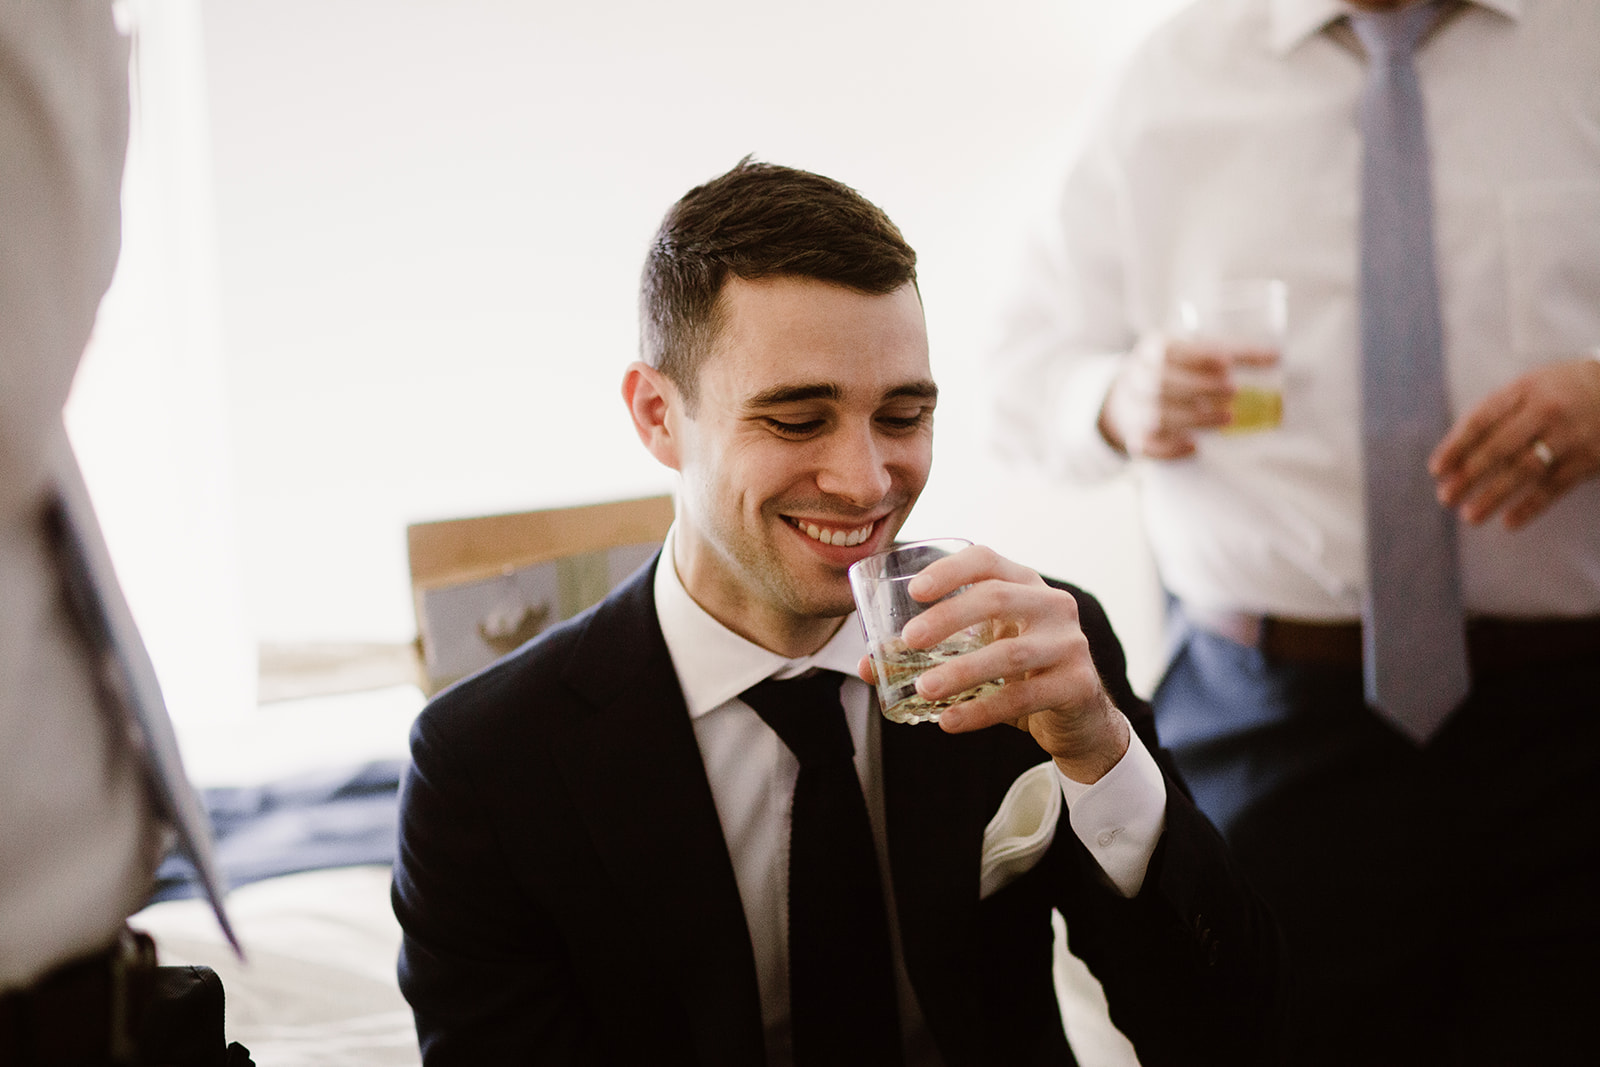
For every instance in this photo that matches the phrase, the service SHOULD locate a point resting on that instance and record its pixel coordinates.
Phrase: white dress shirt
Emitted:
(1228, 147)
(753, 773)
(79, 838)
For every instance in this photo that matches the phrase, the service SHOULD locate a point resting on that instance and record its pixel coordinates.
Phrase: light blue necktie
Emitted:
(1414, 653)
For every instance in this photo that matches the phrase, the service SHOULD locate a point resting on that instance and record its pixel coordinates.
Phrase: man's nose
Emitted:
(853, 469)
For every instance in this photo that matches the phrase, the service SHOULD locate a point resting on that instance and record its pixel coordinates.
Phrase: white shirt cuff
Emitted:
(1121, 817)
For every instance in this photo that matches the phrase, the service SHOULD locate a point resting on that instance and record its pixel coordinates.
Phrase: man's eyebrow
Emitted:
(921, 390)
(924, 389)
(790, 394)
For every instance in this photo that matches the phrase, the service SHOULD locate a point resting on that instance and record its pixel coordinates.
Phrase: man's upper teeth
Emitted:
(837, 537)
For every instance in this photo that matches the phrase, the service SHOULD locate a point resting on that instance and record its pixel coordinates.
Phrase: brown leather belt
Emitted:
(1493, 644)
(84, 1012)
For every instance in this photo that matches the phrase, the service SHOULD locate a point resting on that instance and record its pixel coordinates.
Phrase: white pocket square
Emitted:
(1022, 829)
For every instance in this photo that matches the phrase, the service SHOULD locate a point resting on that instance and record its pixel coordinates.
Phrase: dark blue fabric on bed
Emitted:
(336, 818)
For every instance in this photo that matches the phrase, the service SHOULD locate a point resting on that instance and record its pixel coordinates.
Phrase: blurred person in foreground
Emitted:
(598, 862)
(1385, 612)
(91, 788)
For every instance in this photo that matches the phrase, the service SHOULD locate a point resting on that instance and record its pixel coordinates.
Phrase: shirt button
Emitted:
(1108, 836)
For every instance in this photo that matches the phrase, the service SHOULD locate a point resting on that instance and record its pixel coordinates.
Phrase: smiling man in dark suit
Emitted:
(595, 861)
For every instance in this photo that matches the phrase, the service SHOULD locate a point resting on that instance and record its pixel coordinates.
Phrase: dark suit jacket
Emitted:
(567, 897)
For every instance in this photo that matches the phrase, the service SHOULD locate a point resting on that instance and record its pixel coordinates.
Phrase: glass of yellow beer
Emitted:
(1246, 319)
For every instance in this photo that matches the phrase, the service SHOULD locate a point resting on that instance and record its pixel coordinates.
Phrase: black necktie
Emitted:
(841, 974)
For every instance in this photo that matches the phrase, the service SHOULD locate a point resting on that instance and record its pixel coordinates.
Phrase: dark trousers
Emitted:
(1441, 904)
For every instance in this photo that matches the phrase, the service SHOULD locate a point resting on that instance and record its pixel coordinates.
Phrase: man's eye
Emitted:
(795, 429)
(904, 422)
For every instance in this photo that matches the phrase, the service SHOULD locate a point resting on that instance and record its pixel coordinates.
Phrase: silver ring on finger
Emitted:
(1546, 455)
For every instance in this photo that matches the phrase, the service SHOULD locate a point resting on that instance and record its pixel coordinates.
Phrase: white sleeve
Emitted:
(1121, 817)
(64, 124)
(1062, 334)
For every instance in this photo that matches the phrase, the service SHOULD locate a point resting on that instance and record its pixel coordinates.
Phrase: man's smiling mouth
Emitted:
(830, 536)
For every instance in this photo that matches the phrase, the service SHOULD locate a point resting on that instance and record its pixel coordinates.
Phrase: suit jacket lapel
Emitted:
(631, 761)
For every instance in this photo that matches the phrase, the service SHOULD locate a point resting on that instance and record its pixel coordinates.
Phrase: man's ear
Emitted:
(654, 403)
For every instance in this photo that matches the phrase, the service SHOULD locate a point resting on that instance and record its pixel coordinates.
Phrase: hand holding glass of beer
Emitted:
(1244, 320)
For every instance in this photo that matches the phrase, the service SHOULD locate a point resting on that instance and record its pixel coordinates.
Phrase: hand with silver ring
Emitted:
(1524, 446)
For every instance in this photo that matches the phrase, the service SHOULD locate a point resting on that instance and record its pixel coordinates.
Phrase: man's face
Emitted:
(811, 440)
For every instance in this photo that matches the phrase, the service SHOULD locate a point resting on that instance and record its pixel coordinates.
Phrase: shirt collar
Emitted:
(1294, 21)
(714, 664)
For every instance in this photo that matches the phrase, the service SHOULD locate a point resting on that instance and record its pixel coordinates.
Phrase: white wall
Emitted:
(430, 216)
(148, 413)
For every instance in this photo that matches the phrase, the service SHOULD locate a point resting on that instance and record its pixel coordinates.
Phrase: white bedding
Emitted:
(318, 988)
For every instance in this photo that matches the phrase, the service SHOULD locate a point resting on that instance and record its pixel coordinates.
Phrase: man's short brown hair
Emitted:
(757, 220)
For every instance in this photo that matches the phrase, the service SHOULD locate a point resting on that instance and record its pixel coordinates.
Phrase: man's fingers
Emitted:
(1039, 651)
(1195, 391)
(1164, 392)
(1505, 446)
(1011, 602)
(1019, 698)
(1523, 447)
(1488, 493)
(973, 564)
(1466, 437)
(1011, 658)
(1561, 476)
(1006, 704)
(1256, 357)
(1173, 446)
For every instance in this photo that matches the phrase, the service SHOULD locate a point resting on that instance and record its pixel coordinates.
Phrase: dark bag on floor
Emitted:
(182, 1022)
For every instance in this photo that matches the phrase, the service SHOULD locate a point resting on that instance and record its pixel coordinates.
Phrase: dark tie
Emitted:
(1415, 654)
(127, 678)
(841, 975)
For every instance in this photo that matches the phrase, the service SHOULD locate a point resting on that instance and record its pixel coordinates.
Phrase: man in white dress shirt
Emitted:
(596, 855)
(79, 835)
(87, 804)
(1436, 896)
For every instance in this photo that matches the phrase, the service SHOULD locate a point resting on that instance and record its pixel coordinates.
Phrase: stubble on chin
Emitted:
(812, 597)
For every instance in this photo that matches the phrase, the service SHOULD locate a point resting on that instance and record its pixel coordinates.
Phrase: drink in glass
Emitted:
(1247, 320)
(884, 606)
